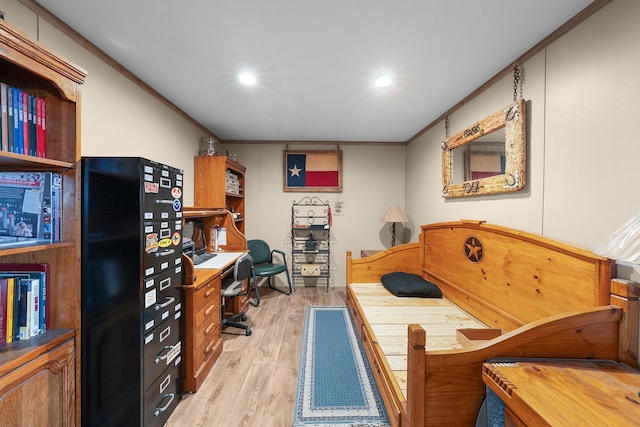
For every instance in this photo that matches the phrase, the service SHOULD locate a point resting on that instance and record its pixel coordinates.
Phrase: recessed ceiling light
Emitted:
(383, 81)
(247, 78)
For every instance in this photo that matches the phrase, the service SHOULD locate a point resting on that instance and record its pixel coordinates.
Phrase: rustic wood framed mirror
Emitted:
(487, 158)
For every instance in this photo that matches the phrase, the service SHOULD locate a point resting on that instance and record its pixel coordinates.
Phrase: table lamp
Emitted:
(393, 215)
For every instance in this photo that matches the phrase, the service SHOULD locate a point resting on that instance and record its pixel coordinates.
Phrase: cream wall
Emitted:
(373, 181)
(583, 145)
(118, 118)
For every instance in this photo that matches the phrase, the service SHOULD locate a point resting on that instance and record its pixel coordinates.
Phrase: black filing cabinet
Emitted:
(131, 302)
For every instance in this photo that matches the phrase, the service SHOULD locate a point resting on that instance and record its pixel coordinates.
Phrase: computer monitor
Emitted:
(198, 239)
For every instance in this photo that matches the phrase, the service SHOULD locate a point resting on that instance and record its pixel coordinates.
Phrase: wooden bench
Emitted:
(550, 299)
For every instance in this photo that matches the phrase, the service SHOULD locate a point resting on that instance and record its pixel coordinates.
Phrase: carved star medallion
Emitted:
(473, 249)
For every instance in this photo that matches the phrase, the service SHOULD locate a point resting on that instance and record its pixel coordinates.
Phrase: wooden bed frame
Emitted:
(551, 300)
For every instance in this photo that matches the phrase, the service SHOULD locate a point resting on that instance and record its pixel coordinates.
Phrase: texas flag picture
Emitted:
(313, 171)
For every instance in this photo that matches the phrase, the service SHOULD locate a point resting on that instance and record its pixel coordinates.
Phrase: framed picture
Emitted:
(310, 171)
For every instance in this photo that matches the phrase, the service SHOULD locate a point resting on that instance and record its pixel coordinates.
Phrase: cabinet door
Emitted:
(42, 392)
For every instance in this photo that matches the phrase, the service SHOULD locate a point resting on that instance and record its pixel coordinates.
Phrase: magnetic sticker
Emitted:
(177, 205)
(176, 193)
(176, 238)
(163, 243)
(150, 298)
(151, 244)
(151, 187)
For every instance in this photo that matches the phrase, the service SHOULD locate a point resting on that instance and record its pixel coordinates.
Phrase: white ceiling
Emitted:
(315, 60)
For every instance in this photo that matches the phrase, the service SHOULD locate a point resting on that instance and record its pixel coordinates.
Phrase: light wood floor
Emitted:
(253, 383)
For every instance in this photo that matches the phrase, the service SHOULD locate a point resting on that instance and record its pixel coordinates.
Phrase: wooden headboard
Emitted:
(508, 278)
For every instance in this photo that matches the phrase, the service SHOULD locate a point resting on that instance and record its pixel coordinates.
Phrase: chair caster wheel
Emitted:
(247, 333)
(243, 318)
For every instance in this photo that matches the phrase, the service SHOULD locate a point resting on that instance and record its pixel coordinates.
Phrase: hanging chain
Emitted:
(446, 132)
(446, 126)
(518, 79)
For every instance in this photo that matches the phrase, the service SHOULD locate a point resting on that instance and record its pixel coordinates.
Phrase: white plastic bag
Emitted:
(624, 243)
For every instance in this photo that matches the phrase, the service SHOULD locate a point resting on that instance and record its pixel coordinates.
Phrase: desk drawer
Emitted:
(208, 331)
(205, 351)
(208, 294)
(208, 314)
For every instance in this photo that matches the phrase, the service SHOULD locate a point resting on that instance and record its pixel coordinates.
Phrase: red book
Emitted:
(43, 128)
(39, 146)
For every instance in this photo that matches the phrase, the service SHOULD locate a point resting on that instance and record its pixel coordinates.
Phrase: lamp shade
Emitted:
(394, 214)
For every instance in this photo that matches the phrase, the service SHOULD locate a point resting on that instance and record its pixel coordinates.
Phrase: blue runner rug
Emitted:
(335, 384)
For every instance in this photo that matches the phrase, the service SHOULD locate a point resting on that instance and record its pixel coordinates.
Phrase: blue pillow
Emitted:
(410, 285)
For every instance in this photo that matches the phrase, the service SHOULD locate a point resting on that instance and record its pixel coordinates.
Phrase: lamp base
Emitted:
(393, 234)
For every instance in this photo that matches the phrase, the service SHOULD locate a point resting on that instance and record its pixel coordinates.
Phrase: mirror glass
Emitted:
(488, 157)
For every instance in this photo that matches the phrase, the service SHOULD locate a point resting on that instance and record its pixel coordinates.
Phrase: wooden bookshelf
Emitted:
(39, 377)
(210, 188)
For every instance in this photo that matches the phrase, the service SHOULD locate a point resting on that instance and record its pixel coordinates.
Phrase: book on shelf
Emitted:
(41, 128)
(29, 314)
(18, 129)
(4, 301)
(10, 310)
(26, 300)
(33, 149)
(22, 124)
(13, 126)
(25, 123)
(56, 204)
(9, 93)
(4, 118)
(30, 208)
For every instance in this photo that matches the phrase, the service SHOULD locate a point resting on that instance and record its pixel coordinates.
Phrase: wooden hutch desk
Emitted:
(201, 286)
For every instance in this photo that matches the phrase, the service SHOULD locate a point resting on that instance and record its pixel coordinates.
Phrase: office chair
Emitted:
(231, 287)
(264, 265)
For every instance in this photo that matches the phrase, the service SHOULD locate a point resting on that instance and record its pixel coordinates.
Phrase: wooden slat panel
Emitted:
(388, 317)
